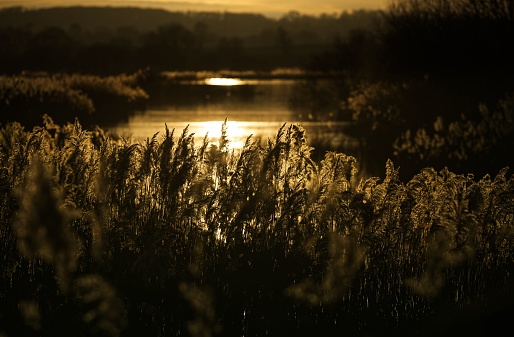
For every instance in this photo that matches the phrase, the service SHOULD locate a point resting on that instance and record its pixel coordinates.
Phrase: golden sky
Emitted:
(267, 7)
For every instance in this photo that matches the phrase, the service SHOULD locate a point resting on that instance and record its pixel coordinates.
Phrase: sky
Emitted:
(266, 7)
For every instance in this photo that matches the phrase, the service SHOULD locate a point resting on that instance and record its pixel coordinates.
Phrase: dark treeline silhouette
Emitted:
(422, 85)
(430, 37)
(113, 40)
(458, 37)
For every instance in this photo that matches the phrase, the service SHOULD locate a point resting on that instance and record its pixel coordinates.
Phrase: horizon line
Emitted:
(272, 15)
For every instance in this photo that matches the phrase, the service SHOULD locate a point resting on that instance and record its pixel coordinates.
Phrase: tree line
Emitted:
(114, 40)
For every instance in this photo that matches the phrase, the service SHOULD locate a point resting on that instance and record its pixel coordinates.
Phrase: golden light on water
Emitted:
(236, 132)
(223, 81)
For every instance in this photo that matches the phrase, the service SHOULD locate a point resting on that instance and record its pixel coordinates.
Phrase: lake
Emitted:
(252, 106)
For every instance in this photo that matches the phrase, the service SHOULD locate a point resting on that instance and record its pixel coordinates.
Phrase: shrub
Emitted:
(26, 98)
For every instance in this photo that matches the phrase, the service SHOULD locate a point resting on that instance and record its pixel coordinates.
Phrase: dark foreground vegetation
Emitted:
(110, 238)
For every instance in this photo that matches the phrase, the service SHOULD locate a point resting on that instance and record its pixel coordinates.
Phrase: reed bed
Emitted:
(107, 237)
(26, 97)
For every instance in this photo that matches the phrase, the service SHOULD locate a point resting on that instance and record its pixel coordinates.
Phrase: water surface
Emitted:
(257, 107)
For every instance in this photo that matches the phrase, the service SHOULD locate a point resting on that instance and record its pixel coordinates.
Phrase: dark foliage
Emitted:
(110, 41)
(26, 98)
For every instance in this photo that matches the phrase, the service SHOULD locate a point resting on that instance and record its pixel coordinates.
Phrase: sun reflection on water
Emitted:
(223, 81)
(236, 132)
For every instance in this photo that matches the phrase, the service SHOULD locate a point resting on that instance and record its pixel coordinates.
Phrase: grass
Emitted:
(103, 237)
(25, 98)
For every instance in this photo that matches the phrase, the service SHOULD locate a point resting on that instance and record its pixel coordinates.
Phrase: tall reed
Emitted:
(167, 237)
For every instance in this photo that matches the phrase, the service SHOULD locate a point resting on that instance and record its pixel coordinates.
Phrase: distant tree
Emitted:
(284, 40)
(231, 46)
(13, 46)
(466, 36)
(50, 49)
(291, 16)
(201, 32)
(169, 47)
(230, 53)
(115, 57)
(129, 33)
(75, 30)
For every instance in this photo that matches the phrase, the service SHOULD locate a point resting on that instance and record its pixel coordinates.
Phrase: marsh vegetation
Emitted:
(168, 237)
(102, 235)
